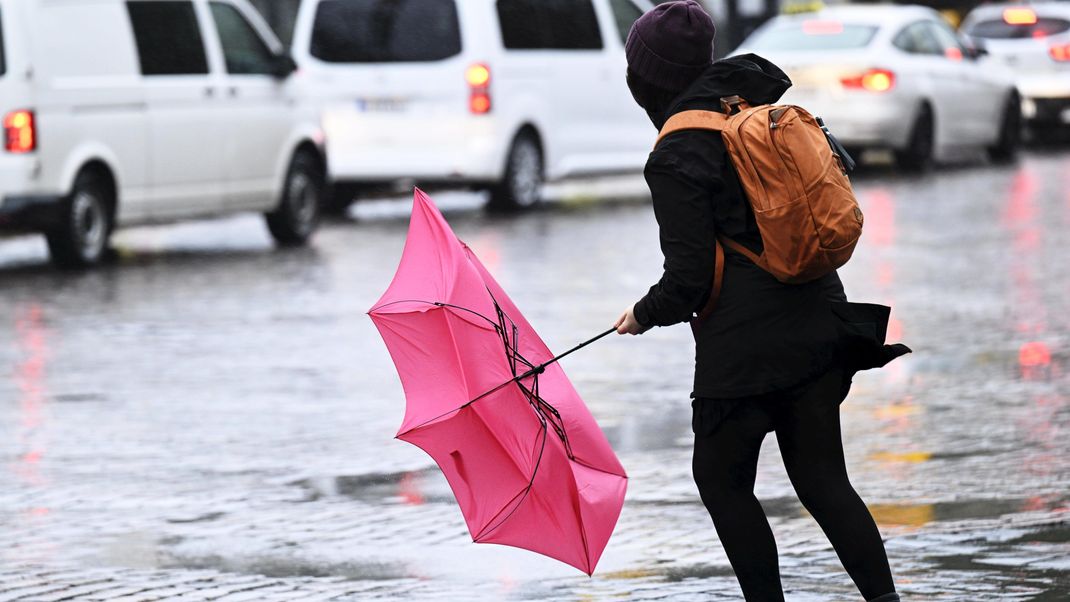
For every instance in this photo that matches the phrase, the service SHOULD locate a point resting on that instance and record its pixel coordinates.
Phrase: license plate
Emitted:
(381, 105)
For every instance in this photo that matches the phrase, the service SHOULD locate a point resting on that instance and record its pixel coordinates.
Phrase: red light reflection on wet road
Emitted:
(409, 489)
(1022, 217)
(30, 379)
(880, 232)
(880, 218)
(1034, 354)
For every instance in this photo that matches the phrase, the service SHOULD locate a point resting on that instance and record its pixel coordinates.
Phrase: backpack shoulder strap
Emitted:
(693, 120)
(715, 289)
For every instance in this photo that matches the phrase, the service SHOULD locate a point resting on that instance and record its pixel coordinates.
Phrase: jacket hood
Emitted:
(748, 75)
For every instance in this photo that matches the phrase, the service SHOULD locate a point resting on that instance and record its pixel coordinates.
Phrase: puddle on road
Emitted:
(287, 566)
(409, 487)
(672, 574)
(148, 550)
(1047, 534)
(79, 397)
(202, 518)
(917, 515)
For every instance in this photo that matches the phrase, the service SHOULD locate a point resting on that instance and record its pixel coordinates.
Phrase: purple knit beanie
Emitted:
(671, 45)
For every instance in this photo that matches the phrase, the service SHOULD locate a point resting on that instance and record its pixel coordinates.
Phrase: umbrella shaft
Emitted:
(578, 347)
(542, 367)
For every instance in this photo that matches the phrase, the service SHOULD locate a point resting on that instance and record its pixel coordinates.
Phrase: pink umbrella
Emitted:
(527, 462)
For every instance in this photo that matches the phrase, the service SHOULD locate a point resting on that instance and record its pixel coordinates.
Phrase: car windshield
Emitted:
(1000, 29)
(385, 31)
(813, 34)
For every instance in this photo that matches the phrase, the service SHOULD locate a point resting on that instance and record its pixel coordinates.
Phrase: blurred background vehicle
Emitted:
(483, 94)
(122, 113)
(1033, 40)
(893, 77)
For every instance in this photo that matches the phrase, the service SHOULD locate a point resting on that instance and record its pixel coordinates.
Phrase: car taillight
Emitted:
(478, 78)
(874, 80)
(1060, 53)
(20, 135)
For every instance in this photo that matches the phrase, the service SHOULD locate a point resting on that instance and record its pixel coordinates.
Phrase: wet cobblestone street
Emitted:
(207, 418)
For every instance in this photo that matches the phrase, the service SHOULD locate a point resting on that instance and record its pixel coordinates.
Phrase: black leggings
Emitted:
(807, 425)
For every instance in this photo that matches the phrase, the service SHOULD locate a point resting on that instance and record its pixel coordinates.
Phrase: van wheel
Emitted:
(918, 155)
(297, 216)
(80, 239)
(1010, 133)
(521, 188)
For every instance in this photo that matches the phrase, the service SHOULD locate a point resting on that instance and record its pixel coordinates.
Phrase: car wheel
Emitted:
(521, 188)
(918, 154)
(297, 216)
(1010, 133)
(80, 239)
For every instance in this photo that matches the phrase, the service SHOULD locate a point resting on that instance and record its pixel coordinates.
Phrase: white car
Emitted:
(1034, 41)
(895, 77)
(134, 112)
(494, 94)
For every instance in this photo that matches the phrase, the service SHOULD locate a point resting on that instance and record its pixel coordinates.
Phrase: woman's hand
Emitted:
(627, 324)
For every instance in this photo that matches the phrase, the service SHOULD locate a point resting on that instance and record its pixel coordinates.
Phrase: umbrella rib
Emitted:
(522, 495)
(436, 304)
(534, 371)
(499, 327)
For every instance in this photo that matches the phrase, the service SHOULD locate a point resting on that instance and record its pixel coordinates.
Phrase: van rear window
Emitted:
(385, 31)
(999, 29)
(549, 25)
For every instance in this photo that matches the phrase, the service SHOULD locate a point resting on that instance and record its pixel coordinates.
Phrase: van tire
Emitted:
(521, 187)
(87, 220)
(297, 216)
(918, 154)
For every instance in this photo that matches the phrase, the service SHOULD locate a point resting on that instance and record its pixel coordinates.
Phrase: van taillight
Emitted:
(20, 135)
(874, 80)
(478, 79)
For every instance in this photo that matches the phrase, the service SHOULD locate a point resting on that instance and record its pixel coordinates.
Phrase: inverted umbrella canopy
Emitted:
(485, 398)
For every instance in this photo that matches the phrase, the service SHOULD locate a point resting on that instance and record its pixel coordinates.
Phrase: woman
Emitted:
(771, 356)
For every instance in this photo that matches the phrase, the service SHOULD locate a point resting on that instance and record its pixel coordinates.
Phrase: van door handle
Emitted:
(209, 92)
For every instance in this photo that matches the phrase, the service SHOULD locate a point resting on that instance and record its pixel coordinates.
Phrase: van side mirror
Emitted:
(283, 65)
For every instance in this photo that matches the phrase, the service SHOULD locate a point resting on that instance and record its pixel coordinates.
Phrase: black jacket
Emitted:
(763, 336)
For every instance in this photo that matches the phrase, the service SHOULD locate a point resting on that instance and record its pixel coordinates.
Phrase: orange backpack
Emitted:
(796, 184)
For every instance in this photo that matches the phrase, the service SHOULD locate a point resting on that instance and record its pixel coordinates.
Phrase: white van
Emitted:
(495, 94)
(123, 112)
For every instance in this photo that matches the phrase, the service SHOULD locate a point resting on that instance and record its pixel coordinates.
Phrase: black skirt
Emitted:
(855, 341)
